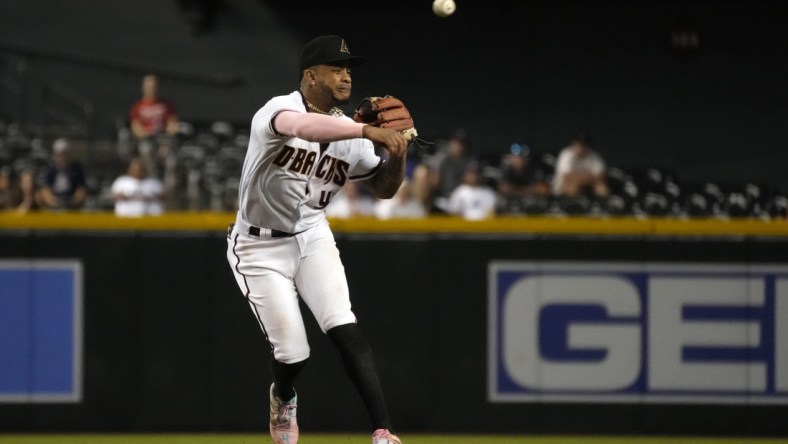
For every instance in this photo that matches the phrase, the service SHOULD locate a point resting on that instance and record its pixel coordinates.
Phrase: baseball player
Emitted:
(302, 149)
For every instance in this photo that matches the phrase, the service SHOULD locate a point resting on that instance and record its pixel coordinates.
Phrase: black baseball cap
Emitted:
(325, 50)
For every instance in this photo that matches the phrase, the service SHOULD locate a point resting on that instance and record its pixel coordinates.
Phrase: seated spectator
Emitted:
(472, 200)
(404, 205)
(63, 185)
(519, 178)
(451, 164)
(26, 195)
(136, 194)
(421, 188)
(351, 201)
(579, 170)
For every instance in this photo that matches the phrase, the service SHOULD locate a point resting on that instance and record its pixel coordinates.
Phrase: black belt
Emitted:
(255, 231)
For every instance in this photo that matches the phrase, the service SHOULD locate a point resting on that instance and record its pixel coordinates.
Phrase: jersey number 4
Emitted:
(325, 198)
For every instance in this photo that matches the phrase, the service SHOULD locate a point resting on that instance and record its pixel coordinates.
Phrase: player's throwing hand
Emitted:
(394, 141)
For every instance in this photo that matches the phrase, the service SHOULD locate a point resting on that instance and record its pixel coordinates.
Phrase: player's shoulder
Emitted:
(287, 101)
(290, 101)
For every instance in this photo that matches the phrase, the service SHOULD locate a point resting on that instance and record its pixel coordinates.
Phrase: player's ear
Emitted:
(310, 75)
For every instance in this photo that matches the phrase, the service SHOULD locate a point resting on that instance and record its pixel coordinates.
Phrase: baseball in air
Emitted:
(443, 8)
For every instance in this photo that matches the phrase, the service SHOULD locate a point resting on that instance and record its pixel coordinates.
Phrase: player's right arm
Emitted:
(321, 128)
(315, 127)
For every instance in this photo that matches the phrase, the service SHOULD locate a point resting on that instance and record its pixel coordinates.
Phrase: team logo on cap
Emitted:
(343, 47)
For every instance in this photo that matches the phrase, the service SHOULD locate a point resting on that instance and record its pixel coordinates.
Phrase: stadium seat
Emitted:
(223, 131)
(778, 207)
(697, 205)
(618, 205)
(656, 204)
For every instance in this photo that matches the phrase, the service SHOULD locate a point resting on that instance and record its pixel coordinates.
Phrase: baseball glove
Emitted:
(385, 112)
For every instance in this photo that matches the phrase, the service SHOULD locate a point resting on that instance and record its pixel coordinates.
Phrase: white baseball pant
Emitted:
(273, 272)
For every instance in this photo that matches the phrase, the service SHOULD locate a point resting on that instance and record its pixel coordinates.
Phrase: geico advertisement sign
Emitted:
(651, 332)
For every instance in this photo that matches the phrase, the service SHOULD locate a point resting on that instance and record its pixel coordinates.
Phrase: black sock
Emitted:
(284, 377)
(360, 367)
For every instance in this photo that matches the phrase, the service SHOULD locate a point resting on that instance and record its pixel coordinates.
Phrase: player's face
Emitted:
(335, 82)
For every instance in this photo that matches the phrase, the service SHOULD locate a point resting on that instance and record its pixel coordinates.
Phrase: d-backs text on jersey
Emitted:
(301, 161)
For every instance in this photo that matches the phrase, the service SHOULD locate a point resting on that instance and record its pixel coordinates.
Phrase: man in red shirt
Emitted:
(151, 116)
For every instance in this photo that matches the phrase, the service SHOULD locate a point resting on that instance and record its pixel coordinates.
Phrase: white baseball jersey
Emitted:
(286, 182)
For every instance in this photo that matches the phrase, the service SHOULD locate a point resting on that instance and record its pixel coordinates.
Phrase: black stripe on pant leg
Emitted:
(248, 292)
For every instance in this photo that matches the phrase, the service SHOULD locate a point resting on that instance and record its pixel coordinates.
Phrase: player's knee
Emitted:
(290, 358)
(336, 318)
(291, 353)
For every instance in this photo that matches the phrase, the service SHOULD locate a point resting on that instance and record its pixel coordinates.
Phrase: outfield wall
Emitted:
(517, 326)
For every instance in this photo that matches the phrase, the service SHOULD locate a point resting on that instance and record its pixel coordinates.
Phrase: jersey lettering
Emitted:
(309, 163)
(340, 176)
(298, 161)
(303, 160)
(284, 156)
(330, 168)
(322, 169)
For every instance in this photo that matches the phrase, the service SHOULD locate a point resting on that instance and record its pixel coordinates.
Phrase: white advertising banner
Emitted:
(638, 332)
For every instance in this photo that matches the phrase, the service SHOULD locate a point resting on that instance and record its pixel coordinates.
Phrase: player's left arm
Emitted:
(389, 177)
(386, 182)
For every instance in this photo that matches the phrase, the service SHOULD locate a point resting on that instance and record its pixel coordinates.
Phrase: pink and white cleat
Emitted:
(283, 425)
(383, 436)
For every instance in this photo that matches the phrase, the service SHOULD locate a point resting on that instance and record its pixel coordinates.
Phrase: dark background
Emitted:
(528, 71)
(171, 345)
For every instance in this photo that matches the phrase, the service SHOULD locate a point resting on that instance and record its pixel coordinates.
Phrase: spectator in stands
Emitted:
(351, 201)
(580, 170)
(136, 193)
(421, 188)
(26, 196)
(63, 184)
(152, 116)
(404, 205)
(452, 164)
(154, 123)
(519, 178)
(473, 199)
